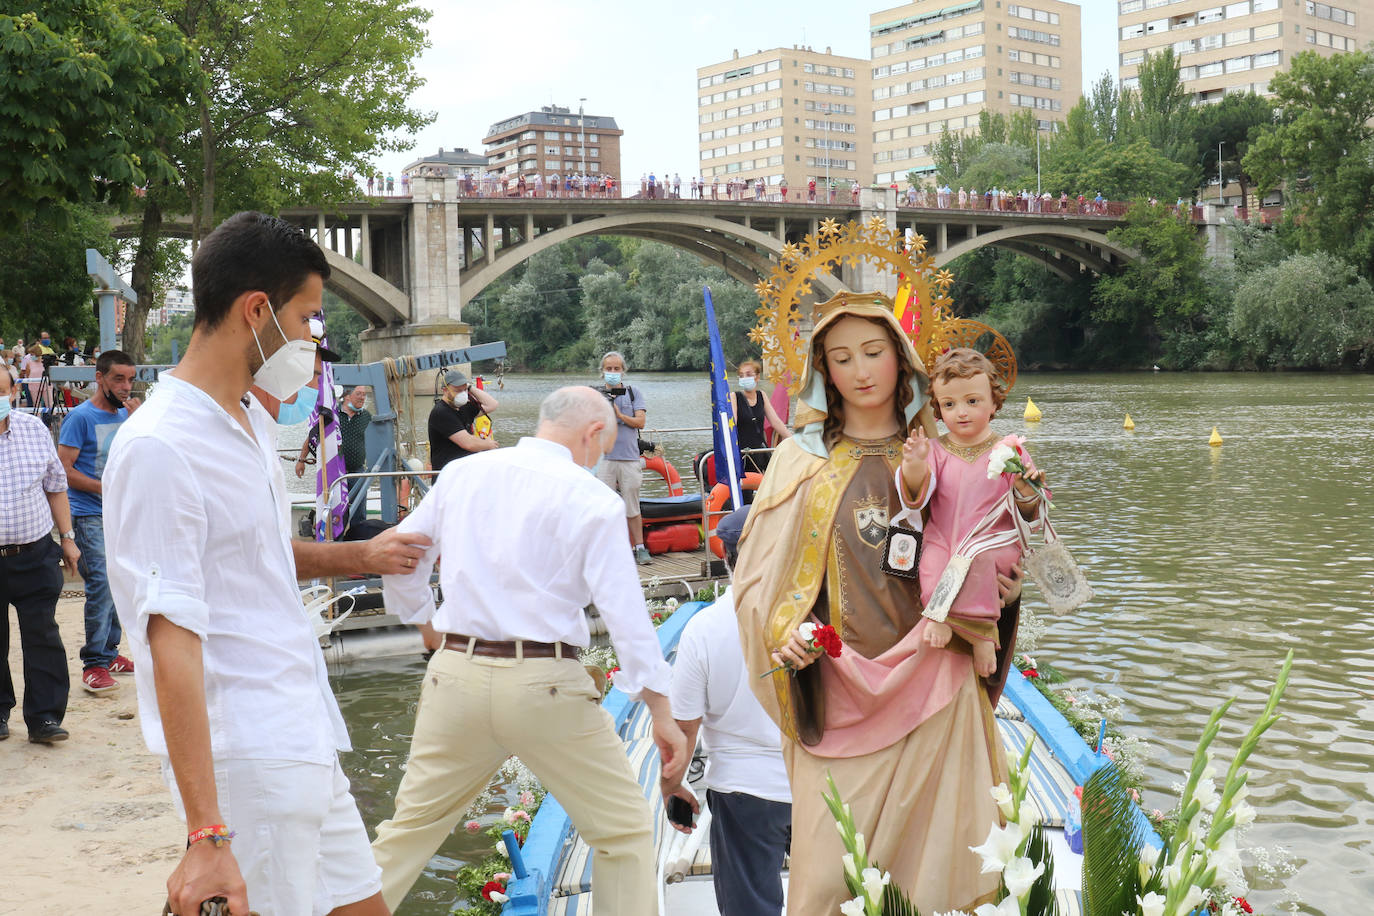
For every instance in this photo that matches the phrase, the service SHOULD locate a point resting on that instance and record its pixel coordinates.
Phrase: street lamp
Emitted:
(826, 128)
(582, 137)
(1037, 158)
(1220, 183)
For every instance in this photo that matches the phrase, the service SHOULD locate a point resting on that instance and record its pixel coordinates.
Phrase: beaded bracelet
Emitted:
(219, 834)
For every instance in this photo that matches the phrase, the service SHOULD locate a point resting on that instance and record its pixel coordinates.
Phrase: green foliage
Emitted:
(1001, 165)
(1310, 311)
(1321, 149)
(161, 338)
(1040, 901)
(576, 301)
(1230, 124)
(91, 90)
(1161, 292)
(1119, 171)
(470, 880)
(342, 325)
(1111, 845)
(1161, 110)
(44, 284)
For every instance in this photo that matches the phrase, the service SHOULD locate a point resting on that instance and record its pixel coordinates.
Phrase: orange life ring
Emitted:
(666, 471)
(719, 494)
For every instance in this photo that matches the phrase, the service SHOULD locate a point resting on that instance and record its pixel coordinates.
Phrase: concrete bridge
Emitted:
(411, 265)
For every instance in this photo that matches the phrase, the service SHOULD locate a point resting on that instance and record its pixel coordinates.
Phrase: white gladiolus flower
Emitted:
(1192, 899)
(1245, 815)
(1151, 904)
(807, 631)
(874, 883)
(1010, 906)
(853, 907)
(1006, 802)
(1029, 818)
(849, 868)
(1173, 873)
(1148, 856)
(999, 848)
(1226, 857)
(1206, 793)
(860, 850)
(1013, 760)
(1020, 875)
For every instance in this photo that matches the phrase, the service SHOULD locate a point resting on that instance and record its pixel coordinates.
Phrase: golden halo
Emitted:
(965, 332)
(830, 248)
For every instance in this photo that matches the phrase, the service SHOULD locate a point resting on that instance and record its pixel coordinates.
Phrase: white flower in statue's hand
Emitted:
(1010, 906)
(999, 848)
(853, 907)
(807, 631)
(874, 883)
(1006, 802)
(1020, 875)
(1151, 904)
(997, 460)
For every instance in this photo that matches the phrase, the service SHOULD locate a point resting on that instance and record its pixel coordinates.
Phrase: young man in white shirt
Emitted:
(505, 678)
(232, 688)
(747, 787)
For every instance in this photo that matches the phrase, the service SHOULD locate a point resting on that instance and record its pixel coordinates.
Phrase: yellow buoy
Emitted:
(1032, 412)
(1129, 424)
(1215, 438)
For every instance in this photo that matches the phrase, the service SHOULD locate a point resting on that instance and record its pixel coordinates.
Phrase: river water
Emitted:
(1209, 564)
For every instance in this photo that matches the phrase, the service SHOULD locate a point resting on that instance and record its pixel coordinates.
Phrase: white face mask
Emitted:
(288, 368)
(748, 383)
(460, 399)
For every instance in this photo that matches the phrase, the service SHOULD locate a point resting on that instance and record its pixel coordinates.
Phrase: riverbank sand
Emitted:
(86, 825)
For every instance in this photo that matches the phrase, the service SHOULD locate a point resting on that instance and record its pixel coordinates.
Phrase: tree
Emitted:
(1119, 172)
(1321, 149)
(1311, 311)
(1001, 165)
(1104, 108)
(1162, 110)
(44, 285)
(90, 89)
(1230, 123)
(1156, 297)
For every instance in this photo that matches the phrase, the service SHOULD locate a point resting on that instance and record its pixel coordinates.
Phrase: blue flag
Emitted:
(723, 438)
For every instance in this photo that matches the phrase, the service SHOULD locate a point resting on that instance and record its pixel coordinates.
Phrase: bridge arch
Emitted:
(745, 253)
(1070, 242)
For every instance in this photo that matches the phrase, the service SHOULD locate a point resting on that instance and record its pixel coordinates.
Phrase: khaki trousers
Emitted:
(476, 711)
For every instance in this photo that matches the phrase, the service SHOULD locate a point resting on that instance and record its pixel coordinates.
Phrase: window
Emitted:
(1131, 6)
(1238, 37)
(1130, 32)
(1238, 64)
(1215, 14)
(1237, 9)
(1267, 59)
(1156, 25)
(1207, 70)
(1264, 6)
(1261, 32)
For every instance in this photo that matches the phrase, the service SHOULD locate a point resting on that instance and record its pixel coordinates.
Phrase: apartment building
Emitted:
(1235, 47)
(787, 114)
(554, 141)
(937, 66)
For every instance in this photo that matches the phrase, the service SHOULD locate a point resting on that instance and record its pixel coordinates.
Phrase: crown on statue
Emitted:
(922, 307)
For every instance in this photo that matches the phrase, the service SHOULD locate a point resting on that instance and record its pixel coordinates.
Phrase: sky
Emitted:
(634, 61)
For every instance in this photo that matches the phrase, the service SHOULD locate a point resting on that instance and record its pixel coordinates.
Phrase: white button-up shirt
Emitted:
(197, 529)
(528, 539)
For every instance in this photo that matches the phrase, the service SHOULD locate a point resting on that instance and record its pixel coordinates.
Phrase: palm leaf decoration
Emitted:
(1111, 845)
(897, 903)
(1041, 900)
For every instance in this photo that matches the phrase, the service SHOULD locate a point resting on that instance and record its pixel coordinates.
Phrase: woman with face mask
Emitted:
(451, 433)
(751, 410)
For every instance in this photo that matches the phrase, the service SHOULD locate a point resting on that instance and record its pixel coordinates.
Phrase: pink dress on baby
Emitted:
(963, 495)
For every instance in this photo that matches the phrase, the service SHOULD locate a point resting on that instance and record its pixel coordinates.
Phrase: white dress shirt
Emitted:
(197, 530)
(711, 683)
(528, 539)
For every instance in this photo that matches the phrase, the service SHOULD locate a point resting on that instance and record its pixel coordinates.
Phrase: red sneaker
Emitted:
(121, 665)
(98, 680)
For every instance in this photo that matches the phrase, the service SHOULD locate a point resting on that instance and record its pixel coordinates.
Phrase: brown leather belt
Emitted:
(13, 550)
(494, 648)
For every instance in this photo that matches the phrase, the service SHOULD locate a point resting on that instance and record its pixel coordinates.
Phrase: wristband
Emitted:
(219, 834)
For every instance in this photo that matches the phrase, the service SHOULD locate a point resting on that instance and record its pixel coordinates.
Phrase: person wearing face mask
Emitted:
(623, 469)
(84, 447)
(33, 498)
(514, 647)
(751, 409)
(204, 575)
(300, 407)
(451, 433)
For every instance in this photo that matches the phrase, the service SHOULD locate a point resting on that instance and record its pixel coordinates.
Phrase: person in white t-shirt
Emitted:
(746, 781)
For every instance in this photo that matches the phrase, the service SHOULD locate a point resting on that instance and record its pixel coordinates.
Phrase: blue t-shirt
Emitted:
(91, 430)
(627, 437)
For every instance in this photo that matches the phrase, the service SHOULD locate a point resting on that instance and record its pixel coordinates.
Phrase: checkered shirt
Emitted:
(29, 469)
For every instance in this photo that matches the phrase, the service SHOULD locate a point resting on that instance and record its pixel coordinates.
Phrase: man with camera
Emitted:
(622, 470)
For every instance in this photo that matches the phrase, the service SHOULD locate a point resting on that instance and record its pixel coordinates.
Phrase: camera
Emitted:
(49, 360)
(610, 393)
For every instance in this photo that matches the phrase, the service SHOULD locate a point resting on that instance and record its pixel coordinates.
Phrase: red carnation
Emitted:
(1031, 672)
(492, 887)
(1242, 903)
(829, 640)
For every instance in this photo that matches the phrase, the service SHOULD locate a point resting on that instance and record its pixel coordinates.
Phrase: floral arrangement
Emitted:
(482, 885)
(819, 638)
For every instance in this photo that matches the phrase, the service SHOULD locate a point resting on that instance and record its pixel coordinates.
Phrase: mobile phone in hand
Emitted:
(679, 812)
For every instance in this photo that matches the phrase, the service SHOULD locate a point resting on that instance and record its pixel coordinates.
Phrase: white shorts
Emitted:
(299, 840)
(625, 477)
